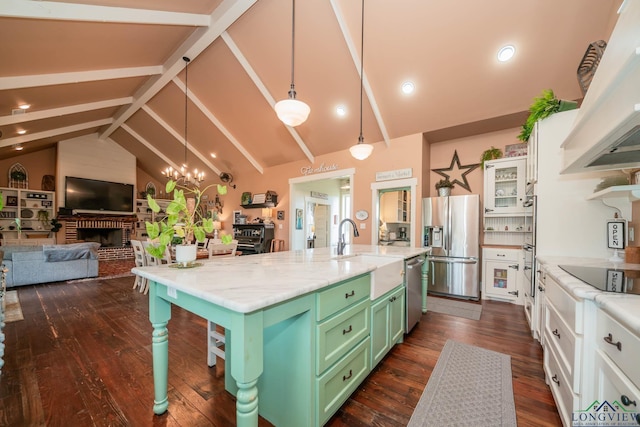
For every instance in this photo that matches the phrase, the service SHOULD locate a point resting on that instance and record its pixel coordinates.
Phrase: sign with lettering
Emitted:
(395, 174)
(615, 280)
(319, 195)
(615, 234)
(310, 170)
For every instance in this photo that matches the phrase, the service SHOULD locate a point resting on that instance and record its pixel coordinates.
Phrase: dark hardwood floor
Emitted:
(82, 357)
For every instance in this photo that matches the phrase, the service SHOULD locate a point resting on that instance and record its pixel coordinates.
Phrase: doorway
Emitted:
(394, 210)
(331, 194)
(317, 223)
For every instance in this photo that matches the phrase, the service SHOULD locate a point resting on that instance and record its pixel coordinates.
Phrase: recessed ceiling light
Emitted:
(22, 132)
(506, 53)
(214, 155)
(18, 147)
(25, 106)
(408, 87)
(341, 110)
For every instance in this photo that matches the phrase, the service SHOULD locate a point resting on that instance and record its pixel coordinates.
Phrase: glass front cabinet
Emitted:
(504, 186)
(502, 274)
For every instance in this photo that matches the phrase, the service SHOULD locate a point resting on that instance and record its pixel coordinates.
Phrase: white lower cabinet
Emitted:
(590, 359)
(502, 274)
(562, 342)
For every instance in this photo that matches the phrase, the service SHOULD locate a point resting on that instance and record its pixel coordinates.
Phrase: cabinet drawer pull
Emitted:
(555, 379)
(609, 340)
(392, 299)
(350, 295)
(626, 401)
(556, 333)
(346, 377)
(346, 331)
(540, 288)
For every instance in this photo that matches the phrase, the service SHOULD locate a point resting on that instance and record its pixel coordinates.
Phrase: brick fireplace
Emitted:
(112, 232)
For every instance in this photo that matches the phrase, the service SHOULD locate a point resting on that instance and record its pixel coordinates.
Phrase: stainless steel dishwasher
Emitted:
(413, 274)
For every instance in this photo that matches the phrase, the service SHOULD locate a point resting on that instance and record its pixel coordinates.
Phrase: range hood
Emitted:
(606, 133)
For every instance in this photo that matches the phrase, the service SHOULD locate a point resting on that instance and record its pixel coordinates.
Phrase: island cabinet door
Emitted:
(380, 326)
(387, 323)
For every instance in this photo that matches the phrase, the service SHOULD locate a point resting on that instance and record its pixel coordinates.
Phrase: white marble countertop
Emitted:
(623, 307)
(248, 283)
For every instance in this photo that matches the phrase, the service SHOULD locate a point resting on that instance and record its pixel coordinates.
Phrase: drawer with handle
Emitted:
(566, 400)
(337, 384)
(342, 296)
(567, 346)
(620, 345)
(337, 335)
(501, 254)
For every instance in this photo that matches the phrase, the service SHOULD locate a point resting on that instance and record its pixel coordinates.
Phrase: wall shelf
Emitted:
(259, 205)
(630, 192)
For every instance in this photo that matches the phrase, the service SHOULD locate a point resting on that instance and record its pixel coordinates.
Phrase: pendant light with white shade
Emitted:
(291, 111)
(361, 150)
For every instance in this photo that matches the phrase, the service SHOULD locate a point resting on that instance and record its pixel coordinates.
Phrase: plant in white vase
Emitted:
(185, 219)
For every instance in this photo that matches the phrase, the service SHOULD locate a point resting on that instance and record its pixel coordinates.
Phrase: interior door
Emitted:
(321, 216)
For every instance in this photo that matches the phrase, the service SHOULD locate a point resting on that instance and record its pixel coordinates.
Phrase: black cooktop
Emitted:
(605, 279)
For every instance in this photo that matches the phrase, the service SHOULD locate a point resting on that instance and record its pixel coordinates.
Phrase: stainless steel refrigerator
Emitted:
(451, 227)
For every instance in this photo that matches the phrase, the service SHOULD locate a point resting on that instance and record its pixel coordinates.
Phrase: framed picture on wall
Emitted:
(12, 201)
(280, 216)
(236, 214)
(298, 219)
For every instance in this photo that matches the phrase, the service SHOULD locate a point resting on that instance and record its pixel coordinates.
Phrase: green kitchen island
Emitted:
(302, 329)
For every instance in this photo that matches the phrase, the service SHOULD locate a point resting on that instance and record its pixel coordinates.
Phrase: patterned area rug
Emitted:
(469, 386)
(468, 310)
(12, 311)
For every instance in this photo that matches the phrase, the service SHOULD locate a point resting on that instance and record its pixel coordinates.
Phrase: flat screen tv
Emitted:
(90, 195)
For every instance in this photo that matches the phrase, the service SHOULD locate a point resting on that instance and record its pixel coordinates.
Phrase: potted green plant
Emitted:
(55, 225)
(444, 187)
(185, 219)
(490, 154)
(544, 106)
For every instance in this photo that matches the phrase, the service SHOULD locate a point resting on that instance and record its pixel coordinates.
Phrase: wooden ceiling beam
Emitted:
(36, 80)
(356, 61)
(221, 19)
(29, 9)
(55, 132)
(63, 111)
(263, 90)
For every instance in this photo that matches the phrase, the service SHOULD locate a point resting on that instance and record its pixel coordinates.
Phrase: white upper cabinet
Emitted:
(504, 186)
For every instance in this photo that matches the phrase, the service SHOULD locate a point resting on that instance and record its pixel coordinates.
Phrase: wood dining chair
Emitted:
(140, 261)
(218, 249)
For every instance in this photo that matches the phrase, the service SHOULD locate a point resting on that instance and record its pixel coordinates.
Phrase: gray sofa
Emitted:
(28, 265)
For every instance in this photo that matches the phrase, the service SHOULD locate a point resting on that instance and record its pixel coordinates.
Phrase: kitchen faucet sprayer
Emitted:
(341, 242)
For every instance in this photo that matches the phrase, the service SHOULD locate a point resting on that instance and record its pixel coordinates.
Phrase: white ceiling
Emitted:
(115, 67)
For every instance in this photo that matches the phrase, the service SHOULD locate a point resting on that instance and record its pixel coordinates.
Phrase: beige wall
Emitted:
(37, 164)
(469, 151)
(405, 152)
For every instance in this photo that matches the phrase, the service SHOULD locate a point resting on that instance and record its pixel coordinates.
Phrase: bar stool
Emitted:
(277, 245)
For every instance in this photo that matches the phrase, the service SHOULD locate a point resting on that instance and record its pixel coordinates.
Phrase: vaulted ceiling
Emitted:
(115, 67)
